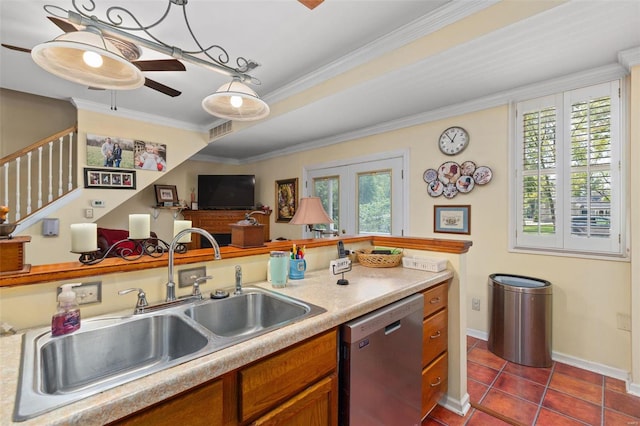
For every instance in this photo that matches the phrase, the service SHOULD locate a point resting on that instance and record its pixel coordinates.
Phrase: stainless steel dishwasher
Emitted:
(381, 366)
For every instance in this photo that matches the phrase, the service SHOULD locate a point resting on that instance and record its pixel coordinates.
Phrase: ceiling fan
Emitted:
(129, 51)
(311, 4)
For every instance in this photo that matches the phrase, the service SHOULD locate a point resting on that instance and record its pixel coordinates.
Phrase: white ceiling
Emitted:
(303, 53)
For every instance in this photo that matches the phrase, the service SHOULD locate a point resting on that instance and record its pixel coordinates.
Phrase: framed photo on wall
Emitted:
(109, 178)
(286, 199)
(452, 219)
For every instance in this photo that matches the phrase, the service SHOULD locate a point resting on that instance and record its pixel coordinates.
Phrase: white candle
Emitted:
(139, 226)
(180, 225)
(84, 237)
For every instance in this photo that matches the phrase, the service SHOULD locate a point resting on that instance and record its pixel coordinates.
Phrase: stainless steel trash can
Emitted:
(520, 319)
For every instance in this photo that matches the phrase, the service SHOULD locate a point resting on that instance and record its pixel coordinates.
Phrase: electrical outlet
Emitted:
(187, 277)
(86, 293)
(624, 321)
(475, 304)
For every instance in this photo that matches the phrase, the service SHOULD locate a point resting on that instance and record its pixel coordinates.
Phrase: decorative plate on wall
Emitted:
(468, 167)
(482, 175)
(430, 175)
(449, 172)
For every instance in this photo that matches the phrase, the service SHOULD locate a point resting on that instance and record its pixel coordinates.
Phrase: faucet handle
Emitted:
(196, 285)
(142, 299)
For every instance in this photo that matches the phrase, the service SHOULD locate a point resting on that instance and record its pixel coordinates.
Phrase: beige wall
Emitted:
(588, 294)
(28, 118)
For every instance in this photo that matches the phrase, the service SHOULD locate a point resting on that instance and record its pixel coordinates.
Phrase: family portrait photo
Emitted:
(150, 156)
(109, 151)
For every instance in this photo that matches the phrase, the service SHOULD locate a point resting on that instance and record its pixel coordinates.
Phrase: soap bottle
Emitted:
(67, 319)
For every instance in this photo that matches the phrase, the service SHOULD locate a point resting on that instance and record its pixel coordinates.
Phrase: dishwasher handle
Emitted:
(392, 327)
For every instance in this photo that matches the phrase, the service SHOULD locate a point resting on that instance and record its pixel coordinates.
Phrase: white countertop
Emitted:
(368, 289)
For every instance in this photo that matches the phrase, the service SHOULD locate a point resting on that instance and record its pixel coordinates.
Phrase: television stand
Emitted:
(220, 221)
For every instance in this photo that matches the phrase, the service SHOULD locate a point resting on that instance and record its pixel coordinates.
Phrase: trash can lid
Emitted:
(519, 281)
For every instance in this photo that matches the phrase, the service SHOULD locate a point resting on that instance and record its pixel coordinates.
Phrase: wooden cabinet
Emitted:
(185, 408)
(281, 380)
(219, 222)
(296, 386)
(434, 346)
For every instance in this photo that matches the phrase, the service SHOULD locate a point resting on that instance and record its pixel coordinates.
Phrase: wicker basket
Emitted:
(366, 258)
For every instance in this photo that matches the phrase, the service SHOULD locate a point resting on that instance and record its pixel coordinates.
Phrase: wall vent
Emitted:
(220, 130)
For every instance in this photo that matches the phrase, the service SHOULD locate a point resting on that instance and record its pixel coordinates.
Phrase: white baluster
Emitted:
(29, 183)
(6, 185)
(60, 168)
(18, 189)
(50, 196)
(39, 176)
(70, 186)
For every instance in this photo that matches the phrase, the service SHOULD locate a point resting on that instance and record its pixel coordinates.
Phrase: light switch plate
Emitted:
(187, 277)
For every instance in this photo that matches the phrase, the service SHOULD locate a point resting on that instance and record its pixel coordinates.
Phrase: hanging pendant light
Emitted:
(86, 57)
(236, 101)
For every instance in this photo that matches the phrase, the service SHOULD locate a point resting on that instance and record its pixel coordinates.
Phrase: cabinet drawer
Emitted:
(435, 298)
(434, 383)
(267, 383)
(434, 336)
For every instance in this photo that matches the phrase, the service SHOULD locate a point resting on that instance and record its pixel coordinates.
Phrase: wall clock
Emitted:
(453, 140)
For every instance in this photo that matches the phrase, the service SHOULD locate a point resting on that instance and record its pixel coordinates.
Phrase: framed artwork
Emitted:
(166, 195)
(150, 156)
(109, 178)
(286, 199)
(109, 151)
(452, 219)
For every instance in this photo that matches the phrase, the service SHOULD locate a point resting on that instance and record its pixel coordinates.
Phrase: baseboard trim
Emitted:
(460, 407)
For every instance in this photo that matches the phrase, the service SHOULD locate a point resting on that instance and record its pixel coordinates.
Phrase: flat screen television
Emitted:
(226, 192)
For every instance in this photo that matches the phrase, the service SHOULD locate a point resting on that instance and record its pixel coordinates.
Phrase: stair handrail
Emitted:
(38, 144)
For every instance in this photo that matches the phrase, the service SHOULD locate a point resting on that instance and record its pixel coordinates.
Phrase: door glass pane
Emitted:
(328, 189)
(374, 202)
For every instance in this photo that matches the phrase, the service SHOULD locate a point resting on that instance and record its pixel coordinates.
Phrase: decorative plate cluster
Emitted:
(451, 178)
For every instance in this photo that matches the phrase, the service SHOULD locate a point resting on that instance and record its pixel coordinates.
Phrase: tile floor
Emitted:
(504, 393)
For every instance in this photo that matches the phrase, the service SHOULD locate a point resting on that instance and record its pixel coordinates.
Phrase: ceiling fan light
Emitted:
(65, 57)
(235, 101)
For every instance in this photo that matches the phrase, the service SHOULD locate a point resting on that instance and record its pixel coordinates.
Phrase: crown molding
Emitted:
(86, 105)
(567, 82)
(629, 58)
(430, 23)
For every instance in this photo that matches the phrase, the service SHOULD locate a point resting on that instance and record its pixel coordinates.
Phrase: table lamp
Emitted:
(310, 212)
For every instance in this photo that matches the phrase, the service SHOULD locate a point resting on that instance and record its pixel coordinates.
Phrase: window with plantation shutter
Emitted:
(568, 186)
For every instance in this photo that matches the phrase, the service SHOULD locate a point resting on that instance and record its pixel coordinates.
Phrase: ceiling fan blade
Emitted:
(311, 4)
(161, 88)
(19, 49)
(63, 24)
(160, 65)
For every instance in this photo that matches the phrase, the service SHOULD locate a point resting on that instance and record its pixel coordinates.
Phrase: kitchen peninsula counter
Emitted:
(368, 289)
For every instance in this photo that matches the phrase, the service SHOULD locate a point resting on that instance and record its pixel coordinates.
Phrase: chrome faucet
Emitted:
(171, 285)
(238, 280)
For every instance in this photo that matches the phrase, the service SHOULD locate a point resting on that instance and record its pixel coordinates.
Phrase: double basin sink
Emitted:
(109, 351)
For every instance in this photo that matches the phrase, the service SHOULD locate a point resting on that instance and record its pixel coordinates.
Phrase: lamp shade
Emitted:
(69, 57)
(235, 101)
(310, 212)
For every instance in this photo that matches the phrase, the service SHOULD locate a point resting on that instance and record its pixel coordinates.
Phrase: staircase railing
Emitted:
(28, 184)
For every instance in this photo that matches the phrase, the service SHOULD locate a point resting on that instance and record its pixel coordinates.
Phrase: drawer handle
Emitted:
(435, 300)
(435, 336)
(437, 383)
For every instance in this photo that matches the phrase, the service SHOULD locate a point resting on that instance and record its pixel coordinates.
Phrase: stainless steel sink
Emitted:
(112, 350)
(249, 314)
(100, 354)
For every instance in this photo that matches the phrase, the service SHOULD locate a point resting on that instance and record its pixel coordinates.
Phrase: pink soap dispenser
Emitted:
(67, 319)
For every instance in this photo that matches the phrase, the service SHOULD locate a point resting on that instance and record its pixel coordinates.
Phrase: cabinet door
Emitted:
(267, 383)
(185, 408)
(434, 336)
(315, 406)
(434, 383)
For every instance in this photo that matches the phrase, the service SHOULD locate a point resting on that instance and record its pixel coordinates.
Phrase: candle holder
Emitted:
(131, 249)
